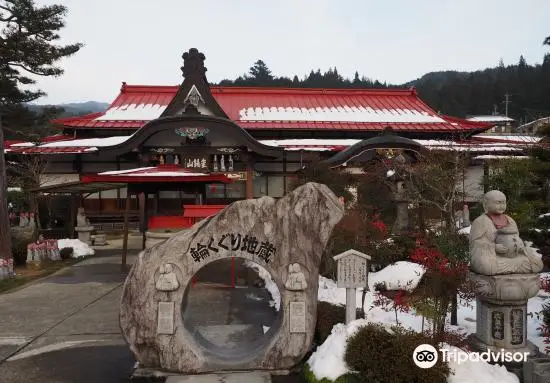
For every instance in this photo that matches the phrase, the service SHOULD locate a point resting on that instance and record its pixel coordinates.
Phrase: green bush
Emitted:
(546, 314)
(309, 377)
(66, 253)
(327, 316)
(378, 356)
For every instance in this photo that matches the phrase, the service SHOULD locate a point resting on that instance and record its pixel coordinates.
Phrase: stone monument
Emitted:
(83, 227)
(285, 236)
(505, 271)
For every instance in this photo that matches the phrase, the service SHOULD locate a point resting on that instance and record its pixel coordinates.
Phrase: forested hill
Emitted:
(454, 93)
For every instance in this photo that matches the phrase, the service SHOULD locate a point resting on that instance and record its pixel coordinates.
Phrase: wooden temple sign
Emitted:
(236, 176)
(352, 269)
(199, 162)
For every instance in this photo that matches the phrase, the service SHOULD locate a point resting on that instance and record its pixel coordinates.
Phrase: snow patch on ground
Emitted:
(270, 284)
(478, 372)
(328, 361)
(401, 275)
(80, 249)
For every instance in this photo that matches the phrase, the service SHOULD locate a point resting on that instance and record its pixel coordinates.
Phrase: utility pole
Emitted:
(506, 102)
(5, 237)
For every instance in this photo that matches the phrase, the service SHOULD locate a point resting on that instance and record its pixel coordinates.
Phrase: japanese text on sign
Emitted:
(199, 163)
(234, 242)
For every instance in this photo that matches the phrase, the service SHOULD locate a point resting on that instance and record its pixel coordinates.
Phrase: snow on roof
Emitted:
(95, 142)
(497, 157)
(526, 139)
(490, 119)
(342, 113)
(155, 171)
(139, 112)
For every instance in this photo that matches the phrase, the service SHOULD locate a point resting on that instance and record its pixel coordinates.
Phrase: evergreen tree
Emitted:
(547, 41)
(260, 73)
(27, 46)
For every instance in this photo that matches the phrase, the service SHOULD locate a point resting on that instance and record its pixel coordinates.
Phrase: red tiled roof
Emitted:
(54, 150)
(161, 173)
(285, 108)
(55, 138)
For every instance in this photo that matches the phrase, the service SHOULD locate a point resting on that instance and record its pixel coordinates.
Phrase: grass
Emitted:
(25, 274)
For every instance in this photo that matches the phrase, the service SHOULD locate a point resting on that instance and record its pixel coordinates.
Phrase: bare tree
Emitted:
(28, 172)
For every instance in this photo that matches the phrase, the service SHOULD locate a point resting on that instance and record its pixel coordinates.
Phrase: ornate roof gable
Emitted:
(194, 96)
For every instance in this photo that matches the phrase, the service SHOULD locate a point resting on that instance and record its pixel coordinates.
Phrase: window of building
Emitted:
(260, 186)
(276, 186)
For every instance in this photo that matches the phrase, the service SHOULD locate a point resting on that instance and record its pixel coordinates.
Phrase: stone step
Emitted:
(236, 377)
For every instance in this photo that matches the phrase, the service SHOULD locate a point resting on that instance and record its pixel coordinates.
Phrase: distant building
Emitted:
(501, 124)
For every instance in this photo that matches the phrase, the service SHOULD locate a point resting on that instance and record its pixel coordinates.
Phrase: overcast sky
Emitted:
(141, 41)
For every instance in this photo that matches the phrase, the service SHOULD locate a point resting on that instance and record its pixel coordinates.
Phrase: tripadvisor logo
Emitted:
(426, 356)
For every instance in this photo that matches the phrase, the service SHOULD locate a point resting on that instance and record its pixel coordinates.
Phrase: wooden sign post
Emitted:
(352, 273)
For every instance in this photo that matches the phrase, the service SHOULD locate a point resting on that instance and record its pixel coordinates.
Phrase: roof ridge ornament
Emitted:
(193, 64)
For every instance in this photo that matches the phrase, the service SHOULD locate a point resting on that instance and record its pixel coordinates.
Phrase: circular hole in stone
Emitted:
(232, 308)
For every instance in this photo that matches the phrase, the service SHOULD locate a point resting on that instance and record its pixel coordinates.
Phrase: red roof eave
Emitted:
(150, 179)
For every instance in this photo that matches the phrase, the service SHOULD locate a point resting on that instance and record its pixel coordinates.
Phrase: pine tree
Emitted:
(260, 73)
(27, 46)
(547, 41)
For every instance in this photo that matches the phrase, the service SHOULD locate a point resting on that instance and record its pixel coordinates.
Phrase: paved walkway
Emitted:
(65, 328)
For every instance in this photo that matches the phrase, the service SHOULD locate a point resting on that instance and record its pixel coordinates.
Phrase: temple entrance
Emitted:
(232, 307)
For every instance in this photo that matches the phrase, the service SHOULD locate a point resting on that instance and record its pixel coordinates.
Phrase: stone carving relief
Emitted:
(516, 325)
(167, 280)
(498, 325)
(296, 280)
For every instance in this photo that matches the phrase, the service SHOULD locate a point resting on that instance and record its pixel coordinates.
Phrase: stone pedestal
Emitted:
(502, 312)
(100, 240)
(84, 233)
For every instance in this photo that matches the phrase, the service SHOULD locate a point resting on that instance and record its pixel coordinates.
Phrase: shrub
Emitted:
(546, 314)
(327, 316)
(66, 253)
(378, 356)
(309, 377)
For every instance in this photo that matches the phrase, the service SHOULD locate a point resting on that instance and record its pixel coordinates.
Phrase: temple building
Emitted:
(177, 154)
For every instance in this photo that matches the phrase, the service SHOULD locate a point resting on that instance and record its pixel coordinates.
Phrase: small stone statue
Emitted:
(215, 163)
(177, 160)
(168, 281)
(23, 220)
(230, 168)
(495, 245)
(222, 163)
(296, 280)
(81, 219)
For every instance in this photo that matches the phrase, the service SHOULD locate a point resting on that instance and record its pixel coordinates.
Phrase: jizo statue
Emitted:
(495, 245)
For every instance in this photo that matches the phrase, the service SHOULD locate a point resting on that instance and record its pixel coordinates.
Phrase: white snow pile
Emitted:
(478, 371)
(80, 249)
(328, 360)
(270, 284)
(544, 215)
(465, 230)
(401, 275)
